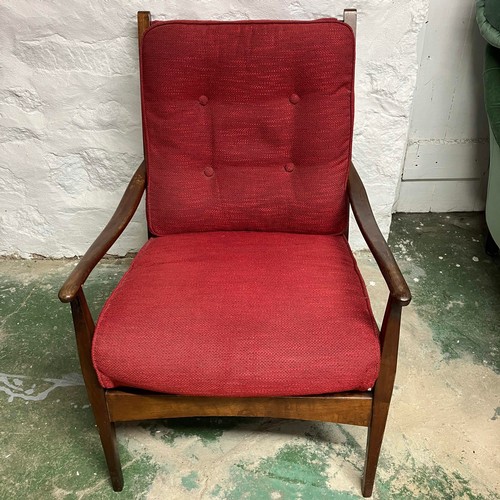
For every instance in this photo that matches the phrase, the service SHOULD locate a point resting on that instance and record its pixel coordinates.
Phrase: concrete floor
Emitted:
(442, 439)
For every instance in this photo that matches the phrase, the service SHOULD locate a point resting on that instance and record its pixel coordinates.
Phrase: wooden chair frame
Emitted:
(367, 409)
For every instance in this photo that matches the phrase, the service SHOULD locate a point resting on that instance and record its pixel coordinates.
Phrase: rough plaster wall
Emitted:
(70, 133)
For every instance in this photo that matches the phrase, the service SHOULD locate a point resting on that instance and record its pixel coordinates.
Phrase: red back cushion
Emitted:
(247, 125)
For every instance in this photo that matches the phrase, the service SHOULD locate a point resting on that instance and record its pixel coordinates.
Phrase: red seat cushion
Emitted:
(247, 125)
(239, 314)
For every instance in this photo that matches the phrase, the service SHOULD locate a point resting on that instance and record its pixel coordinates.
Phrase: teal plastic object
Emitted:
(491, 79)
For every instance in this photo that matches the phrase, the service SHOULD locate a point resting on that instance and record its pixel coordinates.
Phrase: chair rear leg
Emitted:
(374, 443)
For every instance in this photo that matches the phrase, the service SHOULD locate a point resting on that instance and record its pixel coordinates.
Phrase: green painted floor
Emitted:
(442, 439)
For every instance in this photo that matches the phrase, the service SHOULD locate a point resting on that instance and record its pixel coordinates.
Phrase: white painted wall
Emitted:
(447, 155)
(70, 133)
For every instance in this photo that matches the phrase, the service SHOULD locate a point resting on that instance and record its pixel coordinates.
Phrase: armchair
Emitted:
(246, 300)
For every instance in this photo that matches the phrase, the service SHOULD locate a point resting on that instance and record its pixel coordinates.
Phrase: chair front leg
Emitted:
(84, 330)
(382, 392)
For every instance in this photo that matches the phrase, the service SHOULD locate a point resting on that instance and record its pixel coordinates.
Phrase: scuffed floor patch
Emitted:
(456, 286)
(442, 439)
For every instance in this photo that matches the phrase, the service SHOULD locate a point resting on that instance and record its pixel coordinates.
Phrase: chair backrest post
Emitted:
(143, 23)
(350, 18)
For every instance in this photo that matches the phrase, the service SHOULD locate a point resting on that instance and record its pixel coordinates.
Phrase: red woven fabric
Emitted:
(247, 125)
(239, 314)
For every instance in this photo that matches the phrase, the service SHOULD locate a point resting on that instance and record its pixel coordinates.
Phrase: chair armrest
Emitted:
(118, 222)
(363, 214)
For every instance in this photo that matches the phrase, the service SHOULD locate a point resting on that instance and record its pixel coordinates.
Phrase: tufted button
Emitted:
(289, 167)
(203, 100)
(209, 171)
(294, 98)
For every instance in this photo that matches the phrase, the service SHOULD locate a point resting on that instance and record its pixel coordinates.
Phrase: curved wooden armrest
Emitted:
(363, 214)
(126, 209)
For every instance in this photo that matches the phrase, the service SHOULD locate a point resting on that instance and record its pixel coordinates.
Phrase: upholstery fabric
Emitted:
(247, 125)
(239, 314)
(491, 78)
(492, 13)
(488, 20)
